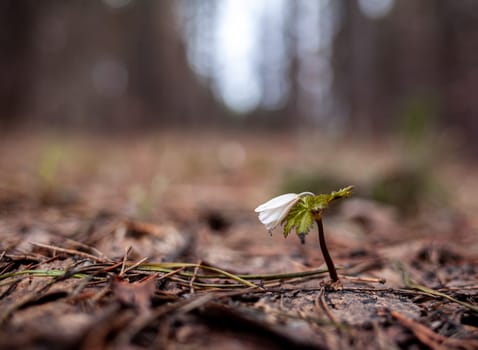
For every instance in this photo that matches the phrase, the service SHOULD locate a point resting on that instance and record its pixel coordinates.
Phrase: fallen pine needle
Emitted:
(69, 252)
(431, 339)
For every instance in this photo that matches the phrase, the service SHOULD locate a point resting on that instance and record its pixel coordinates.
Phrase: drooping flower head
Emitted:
(297, 211)
(272, 212)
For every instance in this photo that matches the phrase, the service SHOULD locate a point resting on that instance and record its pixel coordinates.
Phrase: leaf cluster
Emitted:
(302, 215)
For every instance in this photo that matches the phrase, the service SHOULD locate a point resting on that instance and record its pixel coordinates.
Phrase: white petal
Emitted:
(277, 202)
(270, 216)
(273, 217)
(286, 209)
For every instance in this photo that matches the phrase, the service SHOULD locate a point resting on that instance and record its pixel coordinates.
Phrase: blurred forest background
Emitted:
(149, 130)
(370, 67)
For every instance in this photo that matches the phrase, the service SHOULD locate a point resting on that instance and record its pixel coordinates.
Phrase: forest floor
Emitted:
(152, 242)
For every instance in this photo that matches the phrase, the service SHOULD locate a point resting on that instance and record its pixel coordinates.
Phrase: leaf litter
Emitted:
(84, 269)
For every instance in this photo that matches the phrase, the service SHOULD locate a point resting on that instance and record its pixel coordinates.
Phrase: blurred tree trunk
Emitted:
(15, 41)
(419, 61)
(161, 77)
(459, 52)
(76, 63)
(291, 114)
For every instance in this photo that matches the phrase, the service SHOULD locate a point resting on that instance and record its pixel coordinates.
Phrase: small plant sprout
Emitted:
(298, 212)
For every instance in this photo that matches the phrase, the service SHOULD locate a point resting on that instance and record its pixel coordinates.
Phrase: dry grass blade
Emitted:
(438, 294)
(40, 273)
(433, 293)
(160, 267)
(99, 271)
(166, 267)
(193, 278)
(136, 264)
(125, 258)
(363, 279)
(69, 252)
(172, 273)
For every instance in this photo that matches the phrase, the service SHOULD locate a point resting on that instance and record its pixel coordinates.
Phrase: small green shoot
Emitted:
(298, 212)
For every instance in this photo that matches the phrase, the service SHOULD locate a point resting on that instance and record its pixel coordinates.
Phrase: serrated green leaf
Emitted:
(304, 222)
(342, 193)
(320, 202)
(301, 216)
(289, 224)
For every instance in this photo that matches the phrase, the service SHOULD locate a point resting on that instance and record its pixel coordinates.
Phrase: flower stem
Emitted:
(328, 260)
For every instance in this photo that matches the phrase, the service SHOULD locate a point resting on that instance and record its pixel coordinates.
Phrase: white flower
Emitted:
(272, 212)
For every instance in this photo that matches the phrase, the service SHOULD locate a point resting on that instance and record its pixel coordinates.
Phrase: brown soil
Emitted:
(150, 242)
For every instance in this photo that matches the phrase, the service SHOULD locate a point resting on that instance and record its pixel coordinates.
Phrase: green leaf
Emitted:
(342, 193)
(319, 203)
(289, 224)
(301, 216)
(304, 222)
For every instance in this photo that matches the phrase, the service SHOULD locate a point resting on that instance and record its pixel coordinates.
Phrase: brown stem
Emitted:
(328, 260)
